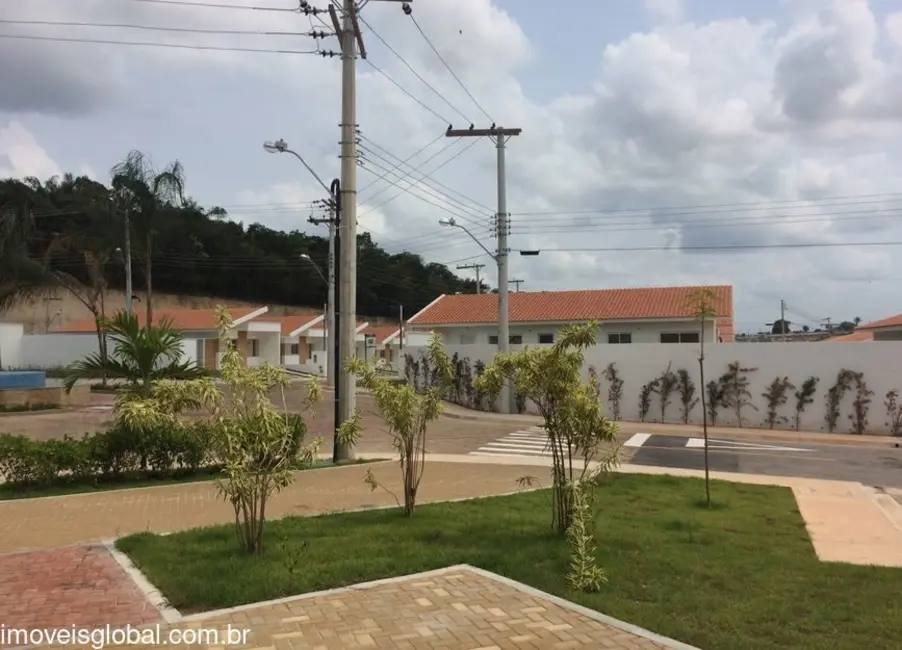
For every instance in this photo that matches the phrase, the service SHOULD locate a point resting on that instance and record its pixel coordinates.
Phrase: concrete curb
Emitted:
(151, 593)
(457, 568)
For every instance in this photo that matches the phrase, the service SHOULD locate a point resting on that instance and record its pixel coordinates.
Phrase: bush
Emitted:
(119, 454)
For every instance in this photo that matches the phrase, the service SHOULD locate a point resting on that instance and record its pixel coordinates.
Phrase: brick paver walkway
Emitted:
(77, 585)
(455, 609)
(80, 518)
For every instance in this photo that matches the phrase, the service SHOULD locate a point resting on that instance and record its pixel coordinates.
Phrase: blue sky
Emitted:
(623, 105)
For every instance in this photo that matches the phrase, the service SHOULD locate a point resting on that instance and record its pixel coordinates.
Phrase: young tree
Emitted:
(141, 356)
(703, 304)
(258, 444)
(147, 194)
(406, 413)
(578, 432)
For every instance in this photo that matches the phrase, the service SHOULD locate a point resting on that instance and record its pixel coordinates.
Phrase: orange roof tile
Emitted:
(574, 306)
(892, 321)
(290, 323)
(854, 337)
(381, 332)
(185, 320)
(726, 330)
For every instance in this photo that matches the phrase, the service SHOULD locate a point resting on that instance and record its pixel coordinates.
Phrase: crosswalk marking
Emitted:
(637, 440)
(526, 442)
(699, 443)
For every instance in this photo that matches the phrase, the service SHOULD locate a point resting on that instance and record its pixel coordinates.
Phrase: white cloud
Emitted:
(664, 10)
(767, 122)
(21, 155)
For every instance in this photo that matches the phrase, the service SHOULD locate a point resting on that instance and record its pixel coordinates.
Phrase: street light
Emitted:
(280, 146)
(304, 256)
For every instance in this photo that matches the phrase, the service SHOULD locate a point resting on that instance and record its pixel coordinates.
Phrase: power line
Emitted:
(726, 247)
(155, 28)
(410, 67)
(404, 176)
(182, 46)
(406, 160)
(215, 5)
(448, 68)
(405, 91)
(437, 182)
(403, 191)
(756, 205)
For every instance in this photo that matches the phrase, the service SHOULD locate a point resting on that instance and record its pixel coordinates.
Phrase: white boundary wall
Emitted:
(44, 351)
(637, 364)
(11, 345)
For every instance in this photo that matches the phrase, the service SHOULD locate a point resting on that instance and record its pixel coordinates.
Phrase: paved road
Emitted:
(871, 466)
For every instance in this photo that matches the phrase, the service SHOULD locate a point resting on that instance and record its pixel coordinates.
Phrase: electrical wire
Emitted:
(725, 247)
(480, 206)
(406, 160)
(152, 28)
(448, 68)
(416, 182)
(410, 67)
(405, 91)
(446, 162)
(215, 5)
(183, 46)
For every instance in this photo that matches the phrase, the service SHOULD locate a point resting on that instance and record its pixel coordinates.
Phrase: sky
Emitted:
(664, 142)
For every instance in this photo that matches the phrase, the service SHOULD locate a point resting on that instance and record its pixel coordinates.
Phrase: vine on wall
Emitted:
(645, 394)
(615, 389)
(735, 389)
(833, 398)
(686, 389)
(805, 396)
(714, 393)
(666, 385)
(462, 389)
(894, 412)
(776, 395)
(861, 405)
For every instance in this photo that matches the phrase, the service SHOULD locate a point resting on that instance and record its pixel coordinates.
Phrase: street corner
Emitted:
(80, 586)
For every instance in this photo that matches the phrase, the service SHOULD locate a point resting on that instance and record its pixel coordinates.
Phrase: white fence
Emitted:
(55, 350)
(10, 348)
(638, 364)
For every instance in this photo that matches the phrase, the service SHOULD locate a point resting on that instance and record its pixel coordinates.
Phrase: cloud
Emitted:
(664, 10)
(680, 136)
(21, 155)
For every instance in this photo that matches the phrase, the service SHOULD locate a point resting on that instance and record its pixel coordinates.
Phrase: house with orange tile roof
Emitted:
(625, 316)
(257, 337)
(886, 329)
(387, 341)
(317, 345)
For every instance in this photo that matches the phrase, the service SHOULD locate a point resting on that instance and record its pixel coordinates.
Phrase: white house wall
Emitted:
(56, 350)
(639, 364)
(641, 332)
(11, 345)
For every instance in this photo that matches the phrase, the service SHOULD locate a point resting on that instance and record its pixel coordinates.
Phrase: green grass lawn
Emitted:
(742, 576)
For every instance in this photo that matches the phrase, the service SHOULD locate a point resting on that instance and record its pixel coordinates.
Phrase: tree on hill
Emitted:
(73, 226)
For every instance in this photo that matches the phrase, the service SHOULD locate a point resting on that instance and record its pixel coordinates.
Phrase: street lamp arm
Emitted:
(452, 223)
(309, 169)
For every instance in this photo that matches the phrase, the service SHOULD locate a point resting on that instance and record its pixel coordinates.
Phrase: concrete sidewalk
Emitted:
(456, 412)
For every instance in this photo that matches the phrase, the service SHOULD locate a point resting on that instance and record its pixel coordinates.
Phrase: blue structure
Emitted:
(22, 380)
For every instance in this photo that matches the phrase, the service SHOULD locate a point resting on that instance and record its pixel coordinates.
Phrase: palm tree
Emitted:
(140, 356)
(147, 193)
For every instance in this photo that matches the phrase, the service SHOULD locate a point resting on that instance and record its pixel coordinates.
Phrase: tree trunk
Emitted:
(148, 279)
(701, 372)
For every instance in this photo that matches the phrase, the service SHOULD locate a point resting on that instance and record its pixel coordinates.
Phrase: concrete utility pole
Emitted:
(518, 283)
(476, 267)
(401, 327)
(783, 317)
(499, 136)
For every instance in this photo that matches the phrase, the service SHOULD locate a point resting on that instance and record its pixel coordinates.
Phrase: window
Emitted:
(199, 351)
(620, 338)
(679, 337)
(294, 348)
(493, 340)
(546, 339)
(467, 339)
(254, 347)
(516, 339)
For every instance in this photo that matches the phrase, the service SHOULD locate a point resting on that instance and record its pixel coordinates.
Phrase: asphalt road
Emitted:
(878, 467)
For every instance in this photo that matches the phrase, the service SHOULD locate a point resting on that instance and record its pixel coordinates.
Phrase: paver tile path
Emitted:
(74, 586)
(30, 524)
(454, 609)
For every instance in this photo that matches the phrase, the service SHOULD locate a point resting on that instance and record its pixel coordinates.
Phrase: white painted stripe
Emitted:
(637, 440)
(699, 443)
(488, 451)
(519, 443)
(695, 443)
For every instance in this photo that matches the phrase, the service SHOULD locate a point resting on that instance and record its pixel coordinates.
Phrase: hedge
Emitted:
(117, 455)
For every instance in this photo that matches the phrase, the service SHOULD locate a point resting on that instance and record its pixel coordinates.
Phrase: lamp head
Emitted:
(304, 256)
(278, 146)
(447, 222)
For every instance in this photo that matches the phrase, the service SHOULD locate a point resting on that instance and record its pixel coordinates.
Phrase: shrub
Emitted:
(645, 394)
(714, 393)
(735, 389)
(861, 405)
(666, 384)
(834, 396)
